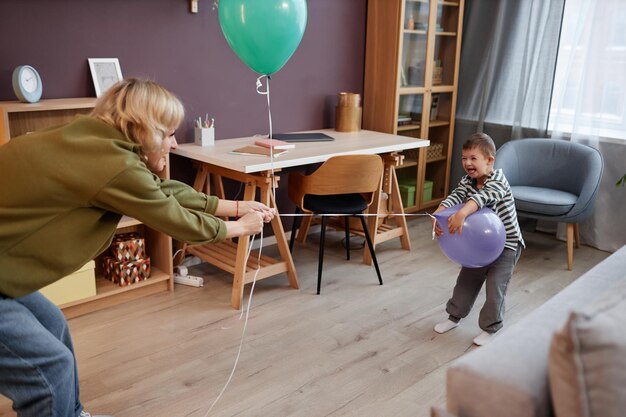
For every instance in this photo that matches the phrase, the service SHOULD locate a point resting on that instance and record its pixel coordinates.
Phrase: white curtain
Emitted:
(589, 105)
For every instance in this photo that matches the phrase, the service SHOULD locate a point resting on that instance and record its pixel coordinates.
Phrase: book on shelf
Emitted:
(258, 151)
(404, 120)
(274, 143)
(434, 107)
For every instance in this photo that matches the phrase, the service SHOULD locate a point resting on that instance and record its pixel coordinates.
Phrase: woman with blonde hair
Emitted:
(64, 190)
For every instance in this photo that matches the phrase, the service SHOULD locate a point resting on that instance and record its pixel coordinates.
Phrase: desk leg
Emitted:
(267, 198)
(240, 261)
(396, 204)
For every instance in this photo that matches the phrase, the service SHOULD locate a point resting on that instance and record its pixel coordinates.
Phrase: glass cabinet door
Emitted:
(410, 109)
(413, 64)
(445, 43)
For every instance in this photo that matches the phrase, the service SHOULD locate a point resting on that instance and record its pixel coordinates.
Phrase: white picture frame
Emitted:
(105, 72)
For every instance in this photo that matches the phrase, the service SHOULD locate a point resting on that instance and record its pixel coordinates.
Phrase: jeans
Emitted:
(37, 363)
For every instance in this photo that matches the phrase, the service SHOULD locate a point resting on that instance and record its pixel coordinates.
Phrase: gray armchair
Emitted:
(554, 180)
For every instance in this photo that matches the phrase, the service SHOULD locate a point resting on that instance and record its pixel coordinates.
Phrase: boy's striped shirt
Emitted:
(496, 195)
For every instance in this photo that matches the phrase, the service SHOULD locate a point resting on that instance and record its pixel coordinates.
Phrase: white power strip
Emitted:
(190, 280)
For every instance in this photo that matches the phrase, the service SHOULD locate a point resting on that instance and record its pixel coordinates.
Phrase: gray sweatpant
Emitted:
(496, 277)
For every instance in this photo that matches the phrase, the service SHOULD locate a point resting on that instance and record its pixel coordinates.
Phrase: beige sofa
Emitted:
(565, 359)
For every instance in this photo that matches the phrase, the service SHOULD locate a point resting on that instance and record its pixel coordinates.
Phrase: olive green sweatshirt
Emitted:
(63, 191)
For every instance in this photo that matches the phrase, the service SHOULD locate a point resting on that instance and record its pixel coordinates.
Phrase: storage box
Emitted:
(434, 151)
(408, 195)
(128, 247)
(126, 273)
(81, 284)
(428, 191)
(407, 191)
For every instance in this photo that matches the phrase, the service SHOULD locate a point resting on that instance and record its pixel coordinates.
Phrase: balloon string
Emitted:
(259, 84)
(245, 323)
(433, 234)
(266, 93)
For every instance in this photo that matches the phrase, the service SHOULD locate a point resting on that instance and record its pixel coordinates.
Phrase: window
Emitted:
(590, 79)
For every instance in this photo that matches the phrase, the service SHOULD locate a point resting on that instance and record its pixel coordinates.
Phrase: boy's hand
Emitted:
(436, 225)
(455, 222)
(438, 231)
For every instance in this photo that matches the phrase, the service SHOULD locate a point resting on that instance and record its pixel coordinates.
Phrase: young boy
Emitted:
(482, 187)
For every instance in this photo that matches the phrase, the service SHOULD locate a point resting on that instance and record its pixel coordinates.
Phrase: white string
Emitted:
(245, 323)
(259, 84)
(433, 234)
(266, 93)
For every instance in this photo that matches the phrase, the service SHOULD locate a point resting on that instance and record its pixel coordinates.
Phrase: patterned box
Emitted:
(128, 247)
(434, 151)
(126, 273)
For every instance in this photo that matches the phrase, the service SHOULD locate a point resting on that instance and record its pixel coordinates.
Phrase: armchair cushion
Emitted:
(543, 201)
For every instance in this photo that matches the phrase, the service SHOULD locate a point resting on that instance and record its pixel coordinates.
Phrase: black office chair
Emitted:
(343, 185)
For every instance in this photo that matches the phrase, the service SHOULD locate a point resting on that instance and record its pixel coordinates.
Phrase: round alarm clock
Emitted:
(27, 84)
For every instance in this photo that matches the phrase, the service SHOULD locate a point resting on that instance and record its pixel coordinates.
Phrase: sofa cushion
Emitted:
(587, 366)
(509, 376)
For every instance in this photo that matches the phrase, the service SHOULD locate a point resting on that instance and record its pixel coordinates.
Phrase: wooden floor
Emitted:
(358, 349)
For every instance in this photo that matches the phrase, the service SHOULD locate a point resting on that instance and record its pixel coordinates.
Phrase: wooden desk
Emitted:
(257, 173)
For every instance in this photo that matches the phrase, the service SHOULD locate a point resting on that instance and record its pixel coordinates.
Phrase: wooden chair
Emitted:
(343, 185)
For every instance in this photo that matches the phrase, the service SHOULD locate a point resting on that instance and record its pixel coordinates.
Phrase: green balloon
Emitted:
(263, 33)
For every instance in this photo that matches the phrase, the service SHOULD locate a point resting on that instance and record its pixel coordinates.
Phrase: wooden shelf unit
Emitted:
(18, 118)
(405, 41)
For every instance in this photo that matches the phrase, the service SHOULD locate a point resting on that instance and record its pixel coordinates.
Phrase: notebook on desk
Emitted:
(303, 137)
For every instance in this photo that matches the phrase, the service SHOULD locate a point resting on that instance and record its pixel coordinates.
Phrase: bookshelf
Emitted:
(411, 76)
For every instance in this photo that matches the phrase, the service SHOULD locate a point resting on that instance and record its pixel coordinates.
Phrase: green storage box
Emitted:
(428, 191)
(407, 192)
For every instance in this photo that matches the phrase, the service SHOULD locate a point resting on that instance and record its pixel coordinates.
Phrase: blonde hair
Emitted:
(142, 110)
(483, 142)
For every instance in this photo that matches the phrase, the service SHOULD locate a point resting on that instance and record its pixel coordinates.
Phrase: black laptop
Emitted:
(303, 137)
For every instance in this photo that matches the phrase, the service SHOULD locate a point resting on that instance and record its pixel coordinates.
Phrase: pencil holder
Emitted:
(204, 136)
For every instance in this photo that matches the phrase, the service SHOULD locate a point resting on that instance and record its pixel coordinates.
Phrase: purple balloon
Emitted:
(482, 239)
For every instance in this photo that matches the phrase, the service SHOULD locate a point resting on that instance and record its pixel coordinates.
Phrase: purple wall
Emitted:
(186, 53)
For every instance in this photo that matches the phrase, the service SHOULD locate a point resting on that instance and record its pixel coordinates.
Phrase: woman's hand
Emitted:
(238, 209)
(247, 206)
(249, 224)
